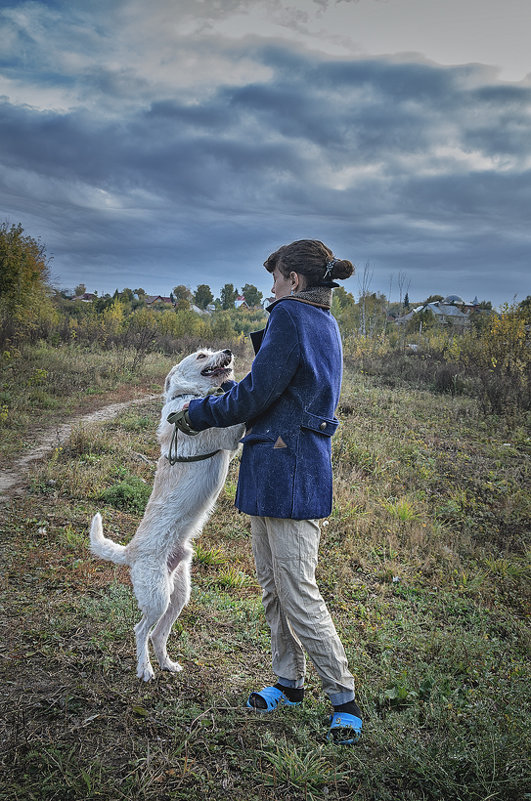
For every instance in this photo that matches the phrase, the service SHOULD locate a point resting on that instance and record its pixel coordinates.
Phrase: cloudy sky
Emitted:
(150, 144)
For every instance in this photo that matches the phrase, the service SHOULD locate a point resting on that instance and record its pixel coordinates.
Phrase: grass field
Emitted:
(425, 568)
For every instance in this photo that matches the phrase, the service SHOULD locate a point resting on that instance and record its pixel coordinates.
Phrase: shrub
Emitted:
(499, 356)
(131, 494)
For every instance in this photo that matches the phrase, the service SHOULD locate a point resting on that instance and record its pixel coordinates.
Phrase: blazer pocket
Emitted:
(250, 439)
(320, 424)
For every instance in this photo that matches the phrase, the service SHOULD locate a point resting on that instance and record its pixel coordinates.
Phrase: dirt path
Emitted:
(9, 479)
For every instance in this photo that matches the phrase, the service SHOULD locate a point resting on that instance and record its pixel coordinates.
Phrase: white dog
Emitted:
(183, 496)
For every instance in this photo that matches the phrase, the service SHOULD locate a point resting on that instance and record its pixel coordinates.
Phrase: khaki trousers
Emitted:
(286, 553)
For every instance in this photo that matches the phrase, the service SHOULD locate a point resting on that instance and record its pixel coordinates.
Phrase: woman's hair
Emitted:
(312, 259)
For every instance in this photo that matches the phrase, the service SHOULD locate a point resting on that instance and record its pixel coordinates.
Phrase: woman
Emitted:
(285, 481)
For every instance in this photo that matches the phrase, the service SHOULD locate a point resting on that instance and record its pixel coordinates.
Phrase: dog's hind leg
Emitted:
(143, 665)
(178, 600)
(153, 602)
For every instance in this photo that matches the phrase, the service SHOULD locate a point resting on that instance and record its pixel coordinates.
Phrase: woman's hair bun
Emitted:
(342, 269)
(312, 259)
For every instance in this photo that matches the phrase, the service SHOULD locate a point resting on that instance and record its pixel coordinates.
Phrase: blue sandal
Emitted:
(345, 729)
(273, 698)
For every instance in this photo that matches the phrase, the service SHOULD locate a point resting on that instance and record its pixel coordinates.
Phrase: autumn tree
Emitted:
(342, 298)
(252, 295)
(203, 296)
(23, 267)
(183, 297)
(127, 294)
(525, 309)
(24, 291)
(227, 296)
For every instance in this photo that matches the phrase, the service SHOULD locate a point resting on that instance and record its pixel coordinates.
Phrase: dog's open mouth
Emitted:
(221, 367)
(213, 371)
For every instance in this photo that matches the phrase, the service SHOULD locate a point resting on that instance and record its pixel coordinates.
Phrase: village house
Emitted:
(451, 311)
(150, 300)
(241, 303)
(86, 297)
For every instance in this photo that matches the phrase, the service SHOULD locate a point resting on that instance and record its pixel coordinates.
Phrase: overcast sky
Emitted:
(157, 143)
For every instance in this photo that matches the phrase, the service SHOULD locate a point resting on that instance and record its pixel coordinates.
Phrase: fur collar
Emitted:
(316, 296)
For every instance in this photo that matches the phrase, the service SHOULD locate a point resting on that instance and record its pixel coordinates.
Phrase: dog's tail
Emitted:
(104, 547)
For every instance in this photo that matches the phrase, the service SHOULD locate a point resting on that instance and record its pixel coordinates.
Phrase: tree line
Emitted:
(203, 297)
(490, 358)
(181, 296)
(32, 309)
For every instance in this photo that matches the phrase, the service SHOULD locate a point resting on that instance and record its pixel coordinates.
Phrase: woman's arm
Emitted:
(272, 370)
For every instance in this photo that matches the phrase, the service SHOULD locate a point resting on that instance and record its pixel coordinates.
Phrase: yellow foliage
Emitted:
(73, 327)
(502, 345)
(23, 270)
(360, 347)
(114, 317)
(182, 323)
(91, 327)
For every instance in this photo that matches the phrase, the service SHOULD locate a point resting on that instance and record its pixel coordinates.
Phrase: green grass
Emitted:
(425, 568)
(131, 493)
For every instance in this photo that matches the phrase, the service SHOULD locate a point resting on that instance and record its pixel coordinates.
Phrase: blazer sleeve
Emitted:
(272, 370)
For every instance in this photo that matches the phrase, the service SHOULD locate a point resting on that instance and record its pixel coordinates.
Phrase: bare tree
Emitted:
(403, 281)
(391, 277)
(364, 285)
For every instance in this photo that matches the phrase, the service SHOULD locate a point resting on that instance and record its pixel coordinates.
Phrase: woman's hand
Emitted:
(181, 420)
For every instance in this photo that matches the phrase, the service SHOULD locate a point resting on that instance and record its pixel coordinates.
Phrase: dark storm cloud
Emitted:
(413, 164)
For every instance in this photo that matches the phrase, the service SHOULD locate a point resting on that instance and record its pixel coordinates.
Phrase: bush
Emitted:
(499, 357)
(131, 494)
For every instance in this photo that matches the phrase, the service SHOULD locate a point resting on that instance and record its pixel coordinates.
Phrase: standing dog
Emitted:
(183, 496)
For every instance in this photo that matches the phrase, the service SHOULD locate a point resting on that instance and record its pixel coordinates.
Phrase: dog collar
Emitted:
(213, 391)
(186, 395)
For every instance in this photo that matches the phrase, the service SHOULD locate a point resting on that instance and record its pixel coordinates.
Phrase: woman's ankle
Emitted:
(350, 708)
(295, 694)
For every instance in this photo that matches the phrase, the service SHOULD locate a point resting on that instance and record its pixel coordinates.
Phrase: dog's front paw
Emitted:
(173, 667)
(145, 671)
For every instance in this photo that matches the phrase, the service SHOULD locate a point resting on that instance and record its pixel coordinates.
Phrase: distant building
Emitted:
(86, 297)
(197, 310)
(445, 311)
(150, 300)
(241, 303)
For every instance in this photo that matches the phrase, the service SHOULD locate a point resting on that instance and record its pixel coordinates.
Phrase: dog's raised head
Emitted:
(198, 373)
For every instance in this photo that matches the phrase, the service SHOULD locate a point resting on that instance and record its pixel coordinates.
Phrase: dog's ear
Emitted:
(169, 377)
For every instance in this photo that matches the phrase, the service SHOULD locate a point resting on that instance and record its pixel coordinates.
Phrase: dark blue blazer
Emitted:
(288, 402)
